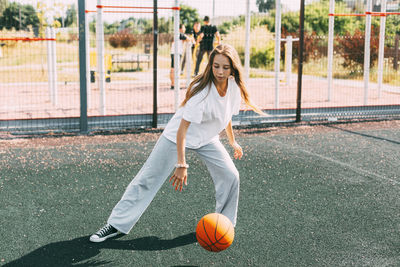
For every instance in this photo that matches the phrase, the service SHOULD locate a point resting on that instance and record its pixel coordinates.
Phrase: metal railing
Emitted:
(44, 80)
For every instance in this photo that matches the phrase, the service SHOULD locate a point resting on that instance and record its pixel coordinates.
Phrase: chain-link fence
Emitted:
(40, 78)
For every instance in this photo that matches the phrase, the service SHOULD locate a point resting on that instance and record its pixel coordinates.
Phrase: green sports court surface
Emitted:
(311, 195)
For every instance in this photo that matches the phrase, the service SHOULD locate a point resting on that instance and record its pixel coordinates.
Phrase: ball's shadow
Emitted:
(79, 251)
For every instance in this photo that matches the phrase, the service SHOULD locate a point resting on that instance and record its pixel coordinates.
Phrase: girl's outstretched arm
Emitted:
(180, 175)
(238, 151)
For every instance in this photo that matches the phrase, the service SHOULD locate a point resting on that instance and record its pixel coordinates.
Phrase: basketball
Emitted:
(215, 232)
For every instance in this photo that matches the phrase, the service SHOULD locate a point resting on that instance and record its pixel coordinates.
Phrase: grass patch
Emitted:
(260, 73)
(319, 67)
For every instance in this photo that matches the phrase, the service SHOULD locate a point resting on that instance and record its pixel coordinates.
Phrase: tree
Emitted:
(19, 17)
(265, 5)
(70, 18)
(188, 16)
(111, 28)
(352, 49)
(3, 5)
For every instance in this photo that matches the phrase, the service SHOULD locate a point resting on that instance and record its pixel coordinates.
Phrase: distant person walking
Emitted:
(182, 38)
(206, 40)
(195, 34)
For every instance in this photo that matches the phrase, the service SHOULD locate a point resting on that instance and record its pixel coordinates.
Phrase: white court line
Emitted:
(373, 175)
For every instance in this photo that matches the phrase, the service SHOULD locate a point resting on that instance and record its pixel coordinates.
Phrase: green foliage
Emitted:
(111, 28)
(265, 5)
(164, 25)
(11, 15)
(290, 21)
(3, 5)
(228, 26)
(70, 18)
(92, 26)
(392, 25)
(136, 26)
(316, 20)
(145, 25)
(260, 57)
(188, 16)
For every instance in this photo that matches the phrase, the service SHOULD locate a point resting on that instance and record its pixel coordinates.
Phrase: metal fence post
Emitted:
(300, 70)
(330, 47)
(82, 66)
(155, 48)
(277, 50)
(367, 44)
(177, 56)
(381, 52)
(396, 53)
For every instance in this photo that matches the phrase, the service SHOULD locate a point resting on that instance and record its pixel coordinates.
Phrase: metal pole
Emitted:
(381, 47)
(247, 43)
(367, 49)
(188, 62)
(213, 13)
(288, 59)
(49, 64)
(330, 47)
(83, 122)
(277, 49)
(300, 70)
(100, 57)
(87, 40)
(54, 65)
(155, 52)
(176, 55)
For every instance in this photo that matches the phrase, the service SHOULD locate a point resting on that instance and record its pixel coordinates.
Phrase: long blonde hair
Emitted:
(204, 79)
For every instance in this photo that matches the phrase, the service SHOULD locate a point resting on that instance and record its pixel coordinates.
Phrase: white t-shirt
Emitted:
(208, 114)
(181, 40)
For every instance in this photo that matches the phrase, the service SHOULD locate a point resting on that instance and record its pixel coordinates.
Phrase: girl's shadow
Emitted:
(78, 251)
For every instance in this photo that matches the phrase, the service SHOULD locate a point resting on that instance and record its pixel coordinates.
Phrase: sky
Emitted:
(204, 7)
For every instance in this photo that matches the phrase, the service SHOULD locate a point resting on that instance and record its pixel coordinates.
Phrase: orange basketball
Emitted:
(215, 232)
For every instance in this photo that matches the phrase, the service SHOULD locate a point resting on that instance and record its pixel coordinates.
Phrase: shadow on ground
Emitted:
(79, 251)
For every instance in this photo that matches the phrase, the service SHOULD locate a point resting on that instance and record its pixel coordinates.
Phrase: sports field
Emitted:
(311, 195)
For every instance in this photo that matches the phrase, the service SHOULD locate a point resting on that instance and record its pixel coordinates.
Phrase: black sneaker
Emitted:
(172, 87)
(106, 232)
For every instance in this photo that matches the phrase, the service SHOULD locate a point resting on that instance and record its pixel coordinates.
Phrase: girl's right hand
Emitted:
(179, 178)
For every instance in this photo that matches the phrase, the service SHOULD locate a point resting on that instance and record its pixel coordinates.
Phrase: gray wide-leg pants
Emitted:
(159, 166)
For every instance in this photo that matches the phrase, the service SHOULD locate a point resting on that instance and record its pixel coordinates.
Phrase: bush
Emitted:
(351, 48)
(122, 39)
(259, 57)
(314, 45)
(262, 58)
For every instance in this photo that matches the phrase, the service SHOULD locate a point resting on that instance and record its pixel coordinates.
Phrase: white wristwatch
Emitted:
(181, 165)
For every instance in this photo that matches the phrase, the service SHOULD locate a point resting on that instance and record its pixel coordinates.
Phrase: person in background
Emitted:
(182, 39)
(206, 40)
(195, 33)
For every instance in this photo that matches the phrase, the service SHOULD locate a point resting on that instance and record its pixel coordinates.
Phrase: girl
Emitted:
(211, 100)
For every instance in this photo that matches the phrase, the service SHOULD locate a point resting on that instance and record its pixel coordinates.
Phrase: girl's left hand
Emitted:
(238, 151)
(179, 178)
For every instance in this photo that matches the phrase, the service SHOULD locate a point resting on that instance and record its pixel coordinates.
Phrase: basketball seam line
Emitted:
(205, 231)
(212, 243)
(217, 240)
